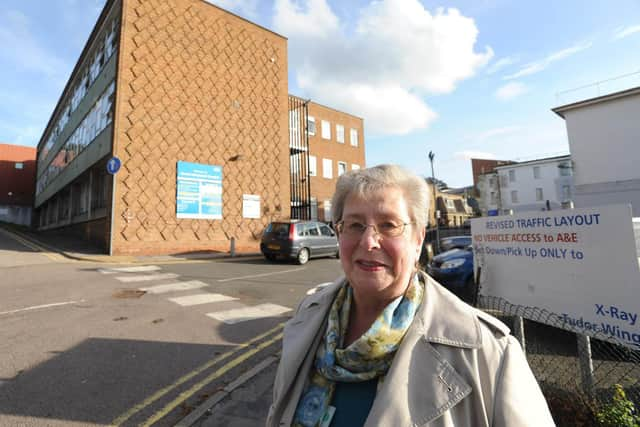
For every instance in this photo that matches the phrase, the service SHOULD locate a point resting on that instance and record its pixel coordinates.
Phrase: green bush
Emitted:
(620, 413)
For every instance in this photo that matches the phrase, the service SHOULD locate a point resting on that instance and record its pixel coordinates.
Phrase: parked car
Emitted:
(454, 270)
(454, 242)
(298, 240)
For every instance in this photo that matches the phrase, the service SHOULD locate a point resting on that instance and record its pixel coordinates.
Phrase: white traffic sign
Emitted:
(579, 264)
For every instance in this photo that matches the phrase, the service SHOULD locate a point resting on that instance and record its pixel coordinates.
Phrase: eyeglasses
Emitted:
(385, 229)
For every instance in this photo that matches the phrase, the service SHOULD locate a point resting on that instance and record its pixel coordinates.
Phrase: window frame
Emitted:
(539, 194)
(313, 165)
(311, 119)
(340, 133)
(345, 168)
(327, 168)
(353, 132)
(325, 130)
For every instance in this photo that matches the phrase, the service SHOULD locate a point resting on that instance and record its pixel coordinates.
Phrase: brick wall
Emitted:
(197, 84)
(19, 182)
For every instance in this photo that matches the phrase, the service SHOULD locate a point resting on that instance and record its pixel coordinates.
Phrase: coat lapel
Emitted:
(421, 384)
(301, 335)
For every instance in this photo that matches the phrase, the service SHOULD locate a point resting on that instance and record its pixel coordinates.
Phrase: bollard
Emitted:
(586, 365)
(232, 249)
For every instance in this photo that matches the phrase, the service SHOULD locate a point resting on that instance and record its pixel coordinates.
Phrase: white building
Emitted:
(527, 186)
(604, 140)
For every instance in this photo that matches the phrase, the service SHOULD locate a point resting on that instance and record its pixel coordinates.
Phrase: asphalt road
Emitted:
(84, 344)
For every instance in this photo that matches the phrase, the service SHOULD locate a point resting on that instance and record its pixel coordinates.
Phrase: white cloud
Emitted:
(247, 8)
(511, 90)
(501, 63)
(395, 54)
(621, 33)
(468, 155)
(537, 66)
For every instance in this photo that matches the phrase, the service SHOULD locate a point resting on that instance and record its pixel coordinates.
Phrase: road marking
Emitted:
(146, 278)
(201, 299)
(244, 314)
(160, 393)
(52, 256)
(38, 307)
(261, 275)
(175, 287)
(197, 387)
(138, 269)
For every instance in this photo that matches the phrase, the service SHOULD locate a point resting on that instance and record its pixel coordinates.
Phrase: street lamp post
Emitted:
(432, 155)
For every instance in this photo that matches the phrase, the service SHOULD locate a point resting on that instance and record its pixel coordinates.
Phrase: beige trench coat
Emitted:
(456, 366)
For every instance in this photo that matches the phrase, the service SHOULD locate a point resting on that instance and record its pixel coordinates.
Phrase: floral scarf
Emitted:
(366, 358)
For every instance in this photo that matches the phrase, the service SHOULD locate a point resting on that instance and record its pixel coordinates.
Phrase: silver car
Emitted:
(298, 240)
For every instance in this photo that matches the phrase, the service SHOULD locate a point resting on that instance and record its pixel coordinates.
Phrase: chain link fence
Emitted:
(576, 372)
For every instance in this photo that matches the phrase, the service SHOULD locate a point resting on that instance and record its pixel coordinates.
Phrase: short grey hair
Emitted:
(362, 182)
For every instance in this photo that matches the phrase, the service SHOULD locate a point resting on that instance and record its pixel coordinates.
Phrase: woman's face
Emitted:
(377, 266)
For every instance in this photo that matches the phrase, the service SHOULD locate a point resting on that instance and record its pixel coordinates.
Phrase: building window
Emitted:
(355, 167)
(512, 176)
(450, 204)
(327, 168)
(565, 169)
(19, 165)
(311, 126)
(340, 134)
(514, 196)
(536, 172)
(354, 137)
(492, 182)
(539, 194)
(326, 130)
(342, 168)
(313, 167)
(494, 198)
(566, 192)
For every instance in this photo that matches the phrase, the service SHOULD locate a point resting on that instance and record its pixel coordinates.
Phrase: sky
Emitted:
(469, 78)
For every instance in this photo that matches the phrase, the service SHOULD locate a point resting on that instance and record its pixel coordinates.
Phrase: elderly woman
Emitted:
(387, 345)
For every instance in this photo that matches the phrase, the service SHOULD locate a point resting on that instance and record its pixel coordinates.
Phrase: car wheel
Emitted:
(303, 256)
(270, 257)
(337, 254)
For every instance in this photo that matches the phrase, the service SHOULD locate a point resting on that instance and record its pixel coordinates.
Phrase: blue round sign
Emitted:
(113, 165)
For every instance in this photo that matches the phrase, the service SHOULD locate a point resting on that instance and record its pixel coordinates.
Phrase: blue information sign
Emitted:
(199, 191)
(113, 165)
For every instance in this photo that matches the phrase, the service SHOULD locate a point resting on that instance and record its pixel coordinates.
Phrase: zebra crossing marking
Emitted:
(175, 287)
(198, 299)
(244, 314)
(136, 269)
(146, 278)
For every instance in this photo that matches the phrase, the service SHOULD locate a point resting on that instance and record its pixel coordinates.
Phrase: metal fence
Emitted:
(577, 373)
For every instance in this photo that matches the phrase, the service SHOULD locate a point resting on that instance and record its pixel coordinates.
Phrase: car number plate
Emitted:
(274, 247)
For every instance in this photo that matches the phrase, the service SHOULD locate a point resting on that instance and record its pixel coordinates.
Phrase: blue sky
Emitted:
(461, 78)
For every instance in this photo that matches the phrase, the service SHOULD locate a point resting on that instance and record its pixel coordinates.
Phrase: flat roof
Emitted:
(324, 106)
(598, 99)
(544, 160)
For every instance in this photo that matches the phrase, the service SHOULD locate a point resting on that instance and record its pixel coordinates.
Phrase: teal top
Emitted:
(353, 402)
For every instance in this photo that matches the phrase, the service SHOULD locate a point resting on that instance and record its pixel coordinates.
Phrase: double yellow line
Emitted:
(31, 245)
(197, 387)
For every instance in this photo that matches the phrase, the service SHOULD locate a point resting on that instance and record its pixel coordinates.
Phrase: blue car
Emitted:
(453, 269)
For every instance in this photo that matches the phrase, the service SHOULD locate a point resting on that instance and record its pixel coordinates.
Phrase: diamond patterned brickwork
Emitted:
(197, 84)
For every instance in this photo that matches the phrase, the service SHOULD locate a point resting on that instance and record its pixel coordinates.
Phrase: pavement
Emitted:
(72, 247)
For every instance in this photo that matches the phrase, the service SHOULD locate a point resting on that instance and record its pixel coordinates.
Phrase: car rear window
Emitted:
(278, 228)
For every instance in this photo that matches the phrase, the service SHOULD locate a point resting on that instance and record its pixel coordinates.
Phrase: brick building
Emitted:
(336, 145)
(17, 183)
(193, 101)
